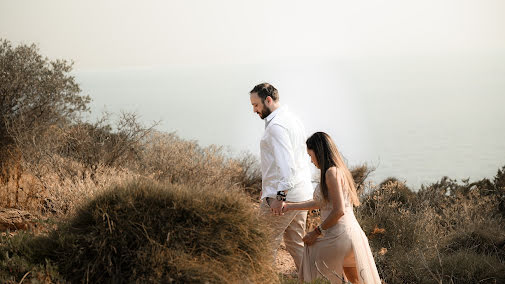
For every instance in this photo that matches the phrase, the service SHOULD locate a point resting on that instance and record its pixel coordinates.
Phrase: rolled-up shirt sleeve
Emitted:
(284, 157)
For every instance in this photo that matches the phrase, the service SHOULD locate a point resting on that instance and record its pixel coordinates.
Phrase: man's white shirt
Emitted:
(284, 160)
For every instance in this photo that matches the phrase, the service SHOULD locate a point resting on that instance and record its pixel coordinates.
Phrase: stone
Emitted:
(14, 219)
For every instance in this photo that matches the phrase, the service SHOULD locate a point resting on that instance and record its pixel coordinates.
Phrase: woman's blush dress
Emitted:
(343, 245)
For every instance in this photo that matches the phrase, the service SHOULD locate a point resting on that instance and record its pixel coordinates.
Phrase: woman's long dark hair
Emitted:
(327, 156)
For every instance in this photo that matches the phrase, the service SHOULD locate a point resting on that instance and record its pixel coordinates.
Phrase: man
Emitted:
(286, 174)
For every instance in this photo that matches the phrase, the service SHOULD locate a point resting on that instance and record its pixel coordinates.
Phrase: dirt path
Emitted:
(285, 263)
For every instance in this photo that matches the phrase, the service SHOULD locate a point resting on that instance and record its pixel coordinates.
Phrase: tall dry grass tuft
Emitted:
(11, 171)
(68, 164)
(64, 195)
(47, 190)
(175, 160)
(159, 233)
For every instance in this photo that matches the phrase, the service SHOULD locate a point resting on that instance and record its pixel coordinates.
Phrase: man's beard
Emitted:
(265, 112)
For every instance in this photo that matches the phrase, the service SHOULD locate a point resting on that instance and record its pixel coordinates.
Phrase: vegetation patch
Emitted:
(158, 233)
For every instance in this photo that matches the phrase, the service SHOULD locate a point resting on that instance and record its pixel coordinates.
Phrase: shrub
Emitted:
(35, 94)
(499, 184)
(499, 179)
(360, 174)
(388, 209)
(424, 236)
(103, 143)
(168, 233)
(17, 254)
(480, 240)
(249, 176)
(466, 266)
(170, 158)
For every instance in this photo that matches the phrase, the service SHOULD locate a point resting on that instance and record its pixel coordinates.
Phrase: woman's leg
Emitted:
(331, 257)
(351, 274)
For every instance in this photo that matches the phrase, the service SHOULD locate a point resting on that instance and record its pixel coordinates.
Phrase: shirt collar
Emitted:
(274, 113)
(271, 116)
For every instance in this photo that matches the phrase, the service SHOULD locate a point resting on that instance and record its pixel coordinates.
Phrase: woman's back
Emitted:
(326, 206)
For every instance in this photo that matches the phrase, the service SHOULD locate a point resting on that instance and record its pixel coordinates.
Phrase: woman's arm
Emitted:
(305, 205)
(334, 179)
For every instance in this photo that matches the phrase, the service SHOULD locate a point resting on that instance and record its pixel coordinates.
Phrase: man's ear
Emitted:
(268, 100)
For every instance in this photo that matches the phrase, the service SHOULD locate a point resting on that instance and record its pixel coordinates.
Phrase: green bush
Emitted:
(499, 179)
(18, 255)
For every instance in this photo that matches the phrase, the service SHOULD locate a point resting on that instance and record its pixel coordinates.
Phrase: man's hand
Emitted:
(276, 207)
(310, 238)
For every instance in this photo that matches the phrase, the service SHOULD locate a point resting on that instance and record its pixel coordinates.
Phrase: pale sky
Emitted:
(415, 87)
(117, 34)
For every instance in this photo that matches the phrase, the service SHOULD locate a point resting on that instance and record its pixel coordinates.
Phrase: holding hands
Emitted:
(277, 204)
(277, 207)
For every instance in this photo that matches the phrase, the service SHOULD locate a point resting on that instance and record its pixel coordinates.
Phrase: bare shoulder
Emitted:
(331, 172)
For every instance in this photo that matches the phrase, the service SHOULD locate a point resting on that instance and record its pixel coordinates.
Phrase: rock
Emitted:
(14, 219)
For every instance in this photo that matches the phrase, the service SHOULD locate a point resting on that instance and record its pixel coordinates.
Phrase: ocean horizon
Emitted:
(415, 118)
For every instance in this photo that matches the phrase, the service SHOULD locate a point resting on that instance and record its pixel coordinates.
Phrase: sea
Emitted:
(416, 118)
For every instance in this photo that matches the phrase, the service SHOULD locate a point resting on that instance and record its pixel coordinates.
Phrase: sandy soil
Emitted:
(285, 263)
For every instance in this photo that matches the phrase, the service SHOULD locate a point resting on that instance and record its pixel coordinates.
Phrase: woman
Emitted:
(338, 245)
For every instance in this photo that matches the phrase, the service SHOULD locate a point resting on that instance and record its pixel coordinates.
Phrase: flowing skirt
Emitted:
(343, 245)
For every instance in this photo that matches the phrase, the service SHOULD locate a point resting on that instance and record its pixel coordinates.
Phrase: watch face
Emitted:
(279, 197)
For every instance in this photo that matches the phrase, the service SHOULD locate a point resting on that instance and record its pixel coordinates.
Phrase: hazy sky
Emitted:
(112, 34)
(416, 87)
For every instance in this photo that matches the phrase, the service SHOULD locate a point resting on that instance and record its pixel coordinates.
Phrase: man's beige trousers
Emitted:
(291, 226)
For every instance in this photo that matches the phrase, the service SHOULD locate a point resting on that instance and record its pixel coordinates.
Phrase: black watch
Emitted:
(281, 195)
(267, 199)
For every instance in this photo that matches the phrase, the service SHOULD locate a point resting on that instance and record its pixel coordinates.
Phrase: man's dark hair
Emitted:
(265, 90)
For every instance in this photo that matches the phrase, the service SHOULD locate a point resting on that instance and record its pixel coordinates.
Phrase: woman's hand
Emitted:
(285, 208)
(310, 238)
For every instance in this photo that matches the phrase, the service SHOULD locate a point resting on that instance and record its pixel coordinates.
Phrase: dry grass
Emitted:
(56, 180)
(200, 188)
(48, 192)
(158, 233)
(170, 158)
(446, 232)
